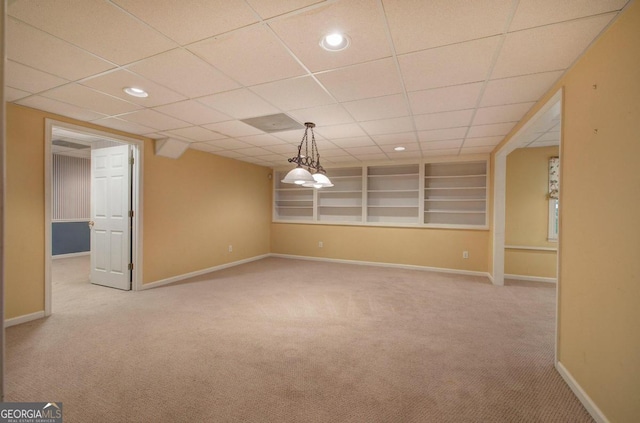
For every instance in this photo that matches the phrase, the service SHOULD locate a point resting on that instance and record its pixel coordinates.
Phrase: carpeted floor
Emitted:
(296, 341)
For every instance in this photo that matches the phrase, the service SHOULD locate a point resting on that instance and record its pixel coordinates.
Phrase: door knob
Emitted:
(91, 223)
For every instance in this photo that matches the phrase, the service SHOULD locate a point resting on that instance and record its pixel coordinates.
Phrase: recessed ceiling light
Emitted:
(136, 92)
(399, 149)
(334, 42)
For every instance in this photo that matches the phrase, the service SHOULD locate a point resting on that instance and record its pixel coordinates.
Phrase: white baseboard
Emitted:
(382, 264)
(200, 272)
(70, 255)
(586, 401)
(531, 278)
(23, 319)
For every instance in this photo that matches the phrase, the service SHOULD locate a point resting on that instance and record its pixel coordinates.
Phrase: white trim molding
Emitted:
(525, 247)
(382, 264)
(23, 319)
(71, 255)
(586, 401)
(184, 276)
(531, 278)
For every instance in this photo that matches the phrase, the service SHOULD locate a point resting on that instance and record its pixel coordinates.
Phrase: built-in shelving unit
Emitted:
(455, 193)
(449, 194)
(292, 202)
(393, 194)
(343, 201)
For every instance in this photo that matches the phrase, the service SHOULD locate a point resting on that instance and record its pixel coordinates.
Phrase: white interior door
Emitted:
(110, 222)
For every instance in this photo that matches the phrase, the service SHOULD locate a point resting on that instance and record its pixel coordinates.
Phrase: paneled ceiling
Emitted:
(438, 77)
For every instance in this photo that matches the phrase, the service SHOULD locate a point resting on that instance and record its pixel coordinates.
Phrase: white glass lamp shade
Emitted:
(298, 176)
(320, 180)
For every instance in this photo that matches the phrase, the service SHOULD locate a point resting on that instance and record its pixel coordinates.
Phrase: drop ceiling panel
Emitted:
(265, 140)
(463, 63)
(195, 134)
(340, 131)
(229, 144)
(440, 153)
(14, 94)
(192, 112)
(153, 119)
(458, 97)
(28, 79)
(476, 150)
(442, 134)
(251, 56)
(60, 108)
(547, 48)
(532, 13)
(98, 26)
(419, 24)
(240, 104)
(405, 137)
(441, 145)
(483, 141)
(518, 89)
(205, 17)
(185, 73)
(410, 147)
(113, 83)
(233, 128)
(269, 8)
(353, 142)
(253, 151)
(362, 20)
(287, 149)
(87, 98)
(388, 126)
(499, 114)
(333, 114)
(443, 120)
(359, 151)
(123, 125)
(39, 50)
(496, 129)
(390, 106)
(373, 79)
(294, 93)
(334, 152)
(204, 147)
(231, 154)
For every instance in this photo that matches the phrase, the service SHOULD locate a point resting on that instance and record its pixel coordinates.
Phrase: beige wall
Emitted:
(413, 246)
(599, 277)
(527, 213)
(194, 207)
(198, 205)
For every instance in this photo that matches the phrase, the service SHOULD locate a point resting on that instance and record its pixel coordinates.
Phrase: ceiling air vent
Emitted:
(273, 123)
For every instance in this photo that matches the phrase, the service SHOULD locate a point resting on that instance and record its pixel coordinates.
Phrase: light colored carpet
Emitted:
(297, 341)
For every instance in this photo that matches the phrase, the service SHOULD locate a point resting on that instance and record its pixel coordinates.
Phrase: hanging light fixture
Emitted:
(308, 172)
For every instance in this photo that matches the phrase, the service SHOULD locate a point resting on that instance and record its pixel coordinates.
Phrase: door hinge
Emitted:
(130, 266)
(131, 160)
(130, 213)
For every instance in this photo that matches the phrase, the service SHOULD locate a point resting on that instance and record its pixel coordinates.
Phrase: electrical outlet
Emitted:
(465, 254)
(231, 248)
(320, 244)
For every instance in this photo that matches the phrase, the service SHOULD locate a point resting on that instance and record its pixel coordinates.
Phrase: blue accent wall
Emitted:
(70, 237)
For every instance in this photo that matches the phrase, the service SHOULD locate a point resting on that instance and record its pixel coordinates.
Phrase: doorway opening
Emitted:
(548, 119)
(96, 230)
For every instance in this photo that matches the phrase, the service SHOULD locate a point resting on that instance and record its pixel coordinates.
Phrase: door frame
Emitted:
(136, 241)
(499, 201)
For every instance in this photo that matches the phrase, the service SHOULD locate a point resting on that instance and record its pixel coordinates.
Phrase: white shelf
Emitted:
(484, 175)
(428, 195)
(456, 186)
